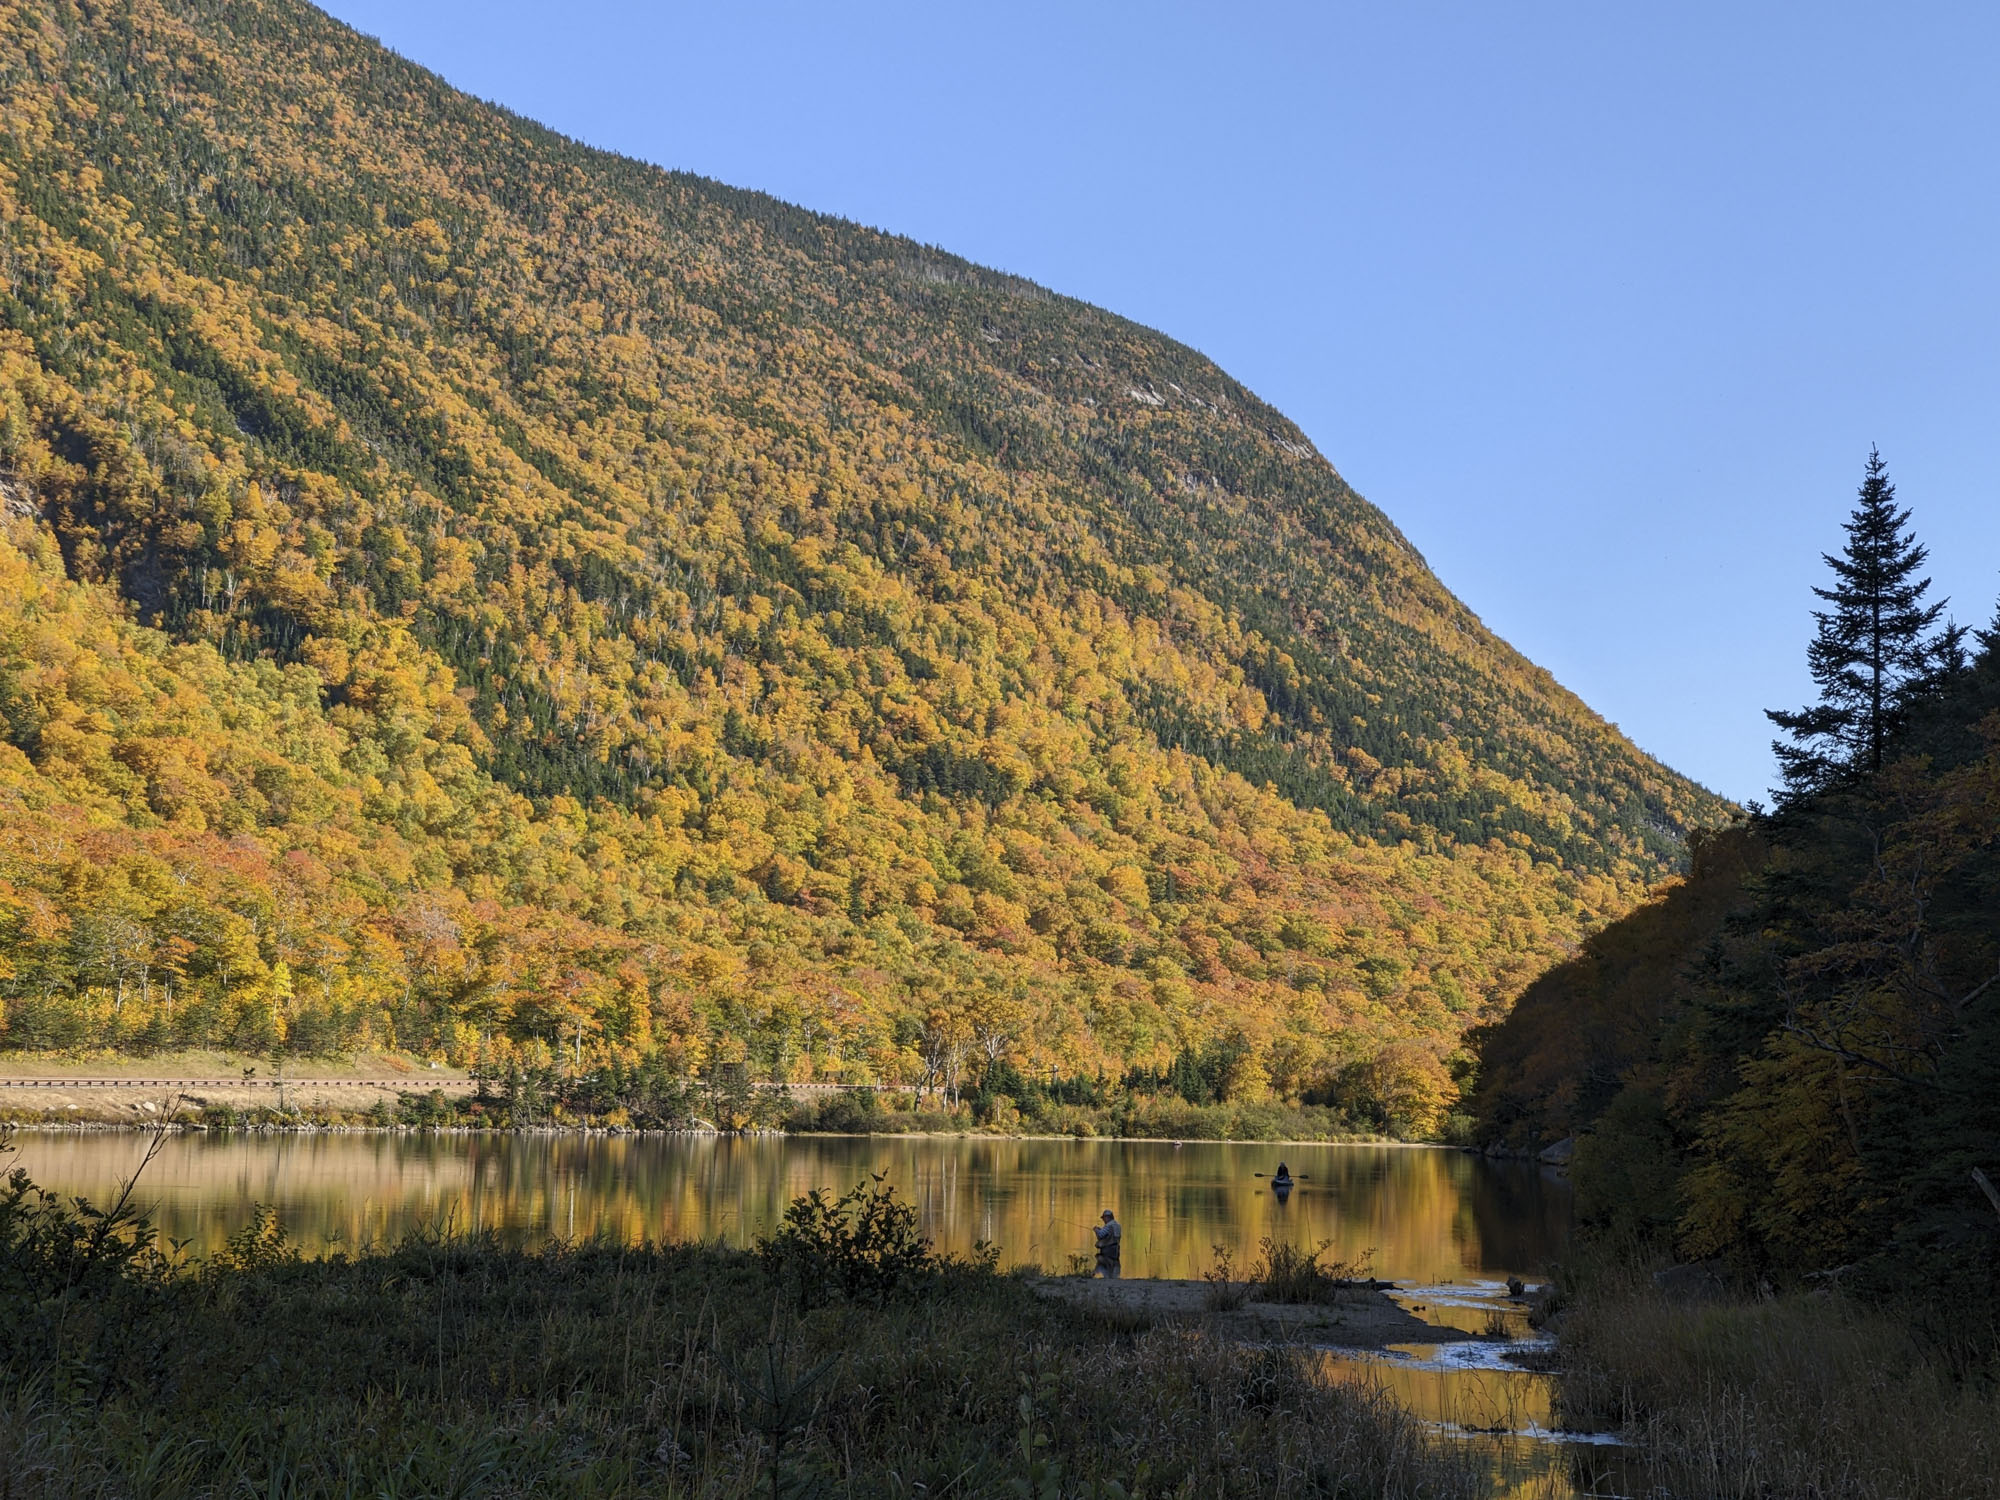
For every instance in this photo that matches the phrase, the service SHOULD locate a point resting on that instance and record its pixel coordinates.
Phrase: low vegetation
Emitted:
(1225, 1293)
(456, 1367)
(1284, 1273)
(863, 1246)
(1804, 1393)
(657, 1096)
(1292, 1273)
(1094, 1110)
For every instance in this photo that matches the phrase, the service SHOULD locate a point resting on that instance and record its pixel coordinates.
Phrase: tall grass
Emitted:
(1292, 1273)
(1806, 1394)
(1224, 1293)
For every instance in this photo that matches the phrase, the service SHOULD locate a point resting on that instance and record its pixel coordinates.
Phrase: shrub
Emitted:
(1225, 1293)
(429, 1110)
(862, 1246)
(1262, 1122)
(258, 1245)
(52, 1247)
(1459, 1130)
(848, 1113)
(1290, 1273)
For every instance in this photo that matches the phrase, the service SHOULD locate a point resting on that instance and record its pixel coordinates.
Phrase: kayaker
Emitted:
(1283, 1174)
(1110, 1238)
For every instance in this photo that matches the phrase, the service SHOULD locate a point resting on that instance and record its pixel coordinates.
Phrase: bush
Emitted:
(1459, 1130)
(863, 1246)
(1263, 1122)
(429, 1110)
(1292, 1274)
(52, 1247)
(846, 1113)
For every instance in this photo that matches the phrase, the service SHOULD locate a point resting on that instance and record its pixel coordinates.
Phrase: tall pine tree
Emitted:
(1870, 649)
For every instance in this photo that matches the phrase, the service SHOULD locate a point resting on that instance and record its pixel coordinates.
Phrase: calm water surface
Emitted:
(1448, 1228)
(1427, 1215)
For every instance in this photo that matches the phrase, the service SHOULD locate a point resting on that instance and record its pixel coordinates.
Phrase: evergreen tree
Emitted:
(1870, 648)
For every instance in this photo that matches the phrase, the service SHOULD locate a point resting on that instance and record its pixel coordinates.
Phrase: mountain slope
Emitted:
(881, 639)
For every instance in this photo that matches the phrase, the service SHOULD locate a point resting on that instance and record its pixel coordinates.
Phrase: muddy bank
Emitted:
(1358, 1318)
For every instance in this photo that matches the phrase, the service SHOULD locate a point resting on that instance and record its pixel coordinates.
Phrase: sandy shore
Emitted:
(1360, 1319)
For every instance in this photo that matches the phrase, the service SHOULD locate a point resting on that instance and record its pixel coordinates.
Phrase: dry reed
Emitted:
(1808, 1395)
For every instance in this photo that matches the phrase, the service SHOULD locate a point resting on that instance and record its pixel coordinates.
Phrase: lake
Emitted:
(1427, 1215)
(1447, 1227)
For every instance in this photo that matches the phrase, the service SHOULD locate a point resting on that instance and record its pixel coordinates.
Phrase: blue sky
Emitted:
(1602, 304)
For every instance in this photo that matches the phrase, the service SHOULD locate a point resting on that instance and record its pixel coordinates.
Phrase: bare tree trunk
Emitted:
(1986, 1186)
(1846, 1109)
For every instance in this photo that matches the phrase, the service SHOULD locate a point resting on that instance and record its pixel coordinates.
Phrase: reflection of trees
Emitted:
(1518, 1211)
(1428, 1215)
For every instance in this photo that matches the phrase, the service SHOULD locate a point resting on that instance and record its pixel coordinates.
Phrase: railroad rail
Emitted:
(424, 1084)
(233, 1083)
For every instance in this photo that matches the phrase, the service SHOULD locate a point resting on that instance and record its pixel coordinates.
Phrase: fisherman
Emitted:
(1110, 1241)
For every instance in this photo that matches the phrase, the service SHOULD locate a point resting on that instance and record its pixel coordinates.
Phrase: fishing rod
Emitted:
(1072, 1223)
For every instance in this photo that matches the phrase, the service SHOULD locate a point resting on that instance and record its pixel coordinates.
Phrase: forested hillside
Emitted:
(470, 592)
(1792, 1060)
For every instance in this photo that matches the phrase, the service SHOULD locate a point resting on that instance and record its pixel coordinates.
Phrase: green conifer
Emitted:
(1869, 650)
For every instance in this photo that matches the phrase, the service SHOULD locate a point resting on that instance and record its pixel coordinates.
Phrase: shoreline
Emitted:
(392, 1094)
(142, 1126)
(1359, 1318)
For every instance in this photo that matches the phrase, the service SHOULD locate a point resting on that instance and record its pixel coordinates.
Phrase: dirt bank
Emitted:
(1359, 1319)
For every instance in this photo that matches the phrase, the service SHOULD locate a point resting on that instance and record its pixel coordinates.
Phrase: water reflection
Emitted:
(1476, 1390)
(1427, 1216)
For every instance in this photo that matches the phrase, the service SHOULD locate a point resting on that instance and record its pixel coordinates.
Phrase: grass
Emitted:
(1293, 1274)
(1224, 1293)
(1807, 1394)
(454, 1367)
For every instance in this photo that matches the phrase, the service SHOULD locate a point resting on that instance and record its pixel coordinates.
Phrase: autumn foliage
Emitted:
(1791, 1061)
(466, 592)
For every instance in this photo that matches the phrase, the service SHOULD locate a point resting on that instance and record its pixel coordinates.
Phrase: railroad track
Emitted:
(425, 1084)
